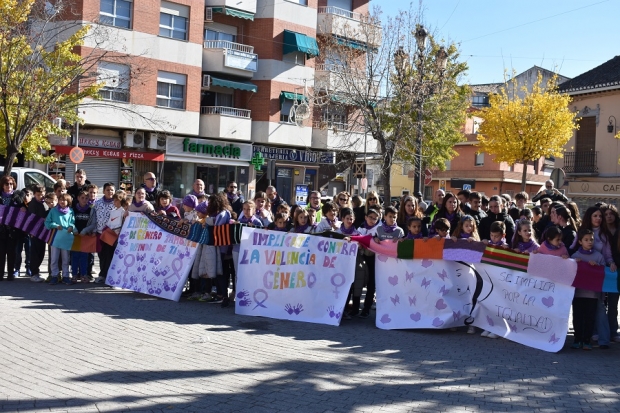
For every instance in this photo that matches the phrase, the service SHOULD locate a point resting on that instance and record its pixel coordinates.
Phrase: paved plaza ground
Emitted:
(90, 348)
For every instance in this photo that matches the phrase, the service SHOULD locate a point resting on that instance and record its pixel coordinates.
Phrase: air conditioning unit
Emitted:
(206, 82)
(208, 14)
(157, 141)
(133, 139)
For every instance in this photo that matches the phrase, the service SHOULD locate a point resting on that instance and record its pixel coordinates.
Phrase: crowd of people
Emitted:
(550, 224)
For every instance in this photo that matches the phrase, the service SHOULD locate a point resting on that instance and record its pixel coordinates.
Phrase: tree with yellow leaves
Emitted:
(523, 127)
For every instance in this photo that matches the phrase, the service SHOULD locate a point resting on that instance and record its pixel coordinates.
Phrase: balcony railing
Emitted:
(224, 110)
(342, 12)
(580, 163)
(225, 44)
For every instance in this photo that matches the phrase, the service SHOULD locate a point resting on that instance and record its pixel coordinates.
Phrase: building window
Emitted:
(171, 90)
(302, 2)
(480, 100)
(173, 20)
(406, 168)
(115, 78)
(221, 36)
(479, 159)
(335, 118)
(296, 58)
(217, 99)
(285, 111)
(115, 13)
(448, 165)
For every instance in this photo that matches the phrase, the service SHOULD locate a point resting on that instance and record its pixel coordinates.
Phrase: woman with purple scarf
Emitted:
(8, 234)
(449, 210)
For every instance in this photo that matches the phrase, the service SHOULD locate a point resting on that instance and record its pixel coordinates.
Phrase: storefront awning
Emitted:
(233, 84)
(234, 13)
(297, 42)
(292, 96)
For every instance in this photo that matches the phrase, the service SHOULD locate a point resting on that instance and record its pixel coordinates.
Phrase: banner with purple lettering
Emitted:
(292, 276)
(149, 260)
(443, 294)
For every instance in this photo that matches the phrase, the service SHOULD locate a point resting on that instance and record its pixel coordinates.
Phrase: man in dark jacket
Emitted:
(551, 193)
(234, 199)
(274, 198)
(150, 186)
(78, 186)
(474, 207)
(495, 213)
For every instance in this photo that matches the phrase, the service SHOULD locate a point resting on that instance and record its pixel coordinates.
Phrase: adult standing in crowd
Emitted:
(314, 204)
(449, 210)
(421, 204)
(198, 188)
(560, 216)
(358, 210)
(103, 208)
(150, 188)
(234, 199)
(545, 220)
(521, 200)
(408, 209)
(551, 193)
(274, 199)
(475, 200)
(78, 186)
(463, 196)
(612, 218)
(373, 200)
(434, 207)
(7, 233)
(495, 213)
(343, 200)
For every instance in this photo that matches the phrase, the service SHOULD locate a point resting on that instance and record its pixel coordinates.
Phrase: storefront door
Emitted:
(284, 183)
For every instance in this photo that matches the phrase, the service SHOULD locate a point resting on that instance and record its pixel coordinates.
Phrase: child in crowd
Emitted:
(189, 209)
(115, 222)
(165, 207)
(280, 222)
(50, 202)
(60, 189)
(497, 235)
(371, 223)
(466, 229)
(526, 214)
(524, 240)
(282, 209)
(414, 226)
(37, 247)
(218, 260)
(62, 219)
(301, 222)
(93, 191)
(355, 293)
(388, 229)
(442, 228)
(585, 301)
(85, 224)
(248, 216)
(23, 239)
(198, 284)
(329, 221)
(263, 211)
(553, 245)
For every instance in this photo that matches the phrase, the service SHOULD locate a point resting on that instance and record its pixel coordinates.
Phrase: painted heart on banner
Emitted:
(415, 317)
(441, 304)
(426, 263)
(547, 301)
(393, 280)
(437, 322)
(385, 319)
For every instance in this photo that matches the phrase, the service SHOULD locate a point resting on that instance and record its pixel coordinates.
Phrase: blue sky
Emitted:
(567, 36)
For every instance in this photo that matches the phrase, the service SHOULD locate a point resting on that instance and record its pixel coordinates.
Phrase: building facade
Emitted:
(194, 89)
(590, 162)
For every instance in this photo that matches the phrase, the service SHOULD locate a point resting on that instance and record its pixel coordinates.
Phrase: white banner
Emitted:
(296, 277)
(441, 294)
(149, 260)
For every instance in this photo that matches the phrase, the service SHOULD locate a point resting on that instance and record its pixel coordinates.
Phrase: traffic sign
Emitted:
(467, 187)
(76, 155)
(428, 176)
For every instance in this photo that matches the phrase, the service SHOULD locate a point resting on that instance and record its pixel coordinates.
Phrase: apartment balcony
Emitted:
(233, 7)
(329, 77)
(347, 25)
(226, 123)
(229, 58)
(341, 137)
(581, 163)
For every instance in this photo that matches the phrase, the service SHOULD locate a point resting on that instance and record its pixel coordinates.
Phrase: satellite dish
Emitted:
(300, 113)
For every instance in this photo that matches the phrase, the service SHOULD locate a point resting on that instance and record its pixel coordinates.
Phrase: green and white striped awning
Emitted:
(234, 13)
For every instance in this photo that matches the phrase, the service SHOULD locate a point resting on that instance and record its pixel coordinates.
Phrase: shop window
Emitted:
(116, 13)
(173, 20)
(115, 77)
(171, 90)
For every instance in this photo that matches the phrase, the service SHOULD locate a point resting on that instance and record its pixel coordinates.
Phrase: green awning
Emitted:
(351, 44)
(250, 87)
(297, 42)
(234, 13)
(292, 96)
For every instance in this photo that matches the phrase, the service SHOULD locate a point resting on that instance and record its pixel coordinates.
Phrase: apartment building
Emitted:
(195, 89)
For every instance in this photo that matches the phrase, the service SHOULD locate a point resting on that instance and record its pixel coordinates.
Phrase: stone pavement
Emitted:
(95, 349)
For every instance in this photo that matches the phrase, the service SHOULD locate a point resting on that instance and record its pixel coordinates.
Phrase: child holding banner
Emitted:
(60, 218)
(585, 301)
(414, 226)
(329, 222)
(355, 293)
(524, 240)
(37, 246)
(466, 229)
(373, 217)
(263, 211)
(301, 222)
(85, 224)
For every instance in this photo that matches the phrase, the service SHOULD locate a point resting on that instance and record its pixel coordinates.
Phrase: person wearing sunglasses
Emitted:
(372, 200)
(150, 187)
(343, 200)
(235, 199)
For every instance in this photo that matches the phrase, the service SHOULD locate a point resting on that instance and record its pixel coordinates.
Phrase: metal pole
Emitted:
(417, 181)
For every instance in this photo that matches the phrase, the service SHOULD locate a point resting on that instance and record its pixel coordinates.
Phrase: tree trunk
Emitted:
(524, 176)
(386, 175)
(10, 160)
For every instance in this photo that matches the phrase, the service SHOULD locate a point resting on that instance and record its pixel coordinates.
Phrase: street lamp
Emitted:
(421, 86)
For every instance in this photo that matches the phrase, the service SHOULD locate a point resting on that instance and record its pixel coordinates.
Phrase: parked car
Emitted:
(29, 176)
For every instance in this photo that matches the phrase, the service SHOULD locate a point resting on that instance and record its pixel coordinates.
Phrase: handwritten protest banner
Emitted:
(442, 294)
(150, 261)
(292, 276)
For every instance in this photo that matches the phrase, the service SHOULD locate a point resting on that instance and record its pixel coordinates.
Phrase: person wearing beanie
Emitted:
(189, 209)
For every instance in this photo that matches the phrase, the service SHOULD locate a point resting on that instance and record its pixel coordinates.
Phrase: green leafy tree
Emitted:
(522, 125)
